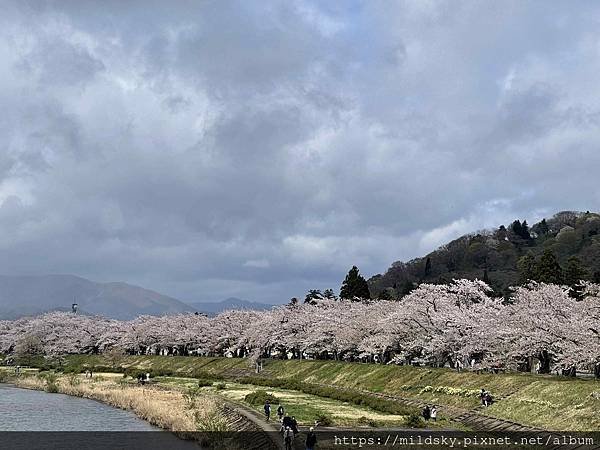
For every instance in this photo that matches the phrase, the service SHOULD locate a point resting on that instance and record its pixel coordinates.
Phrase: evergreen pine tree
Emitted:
(502, 233)
(329, 294)
(427, 270)
(525, 231)
(313, 296)
(574, 273)
(405, 288)
(354, 286)
(547, 269)
(385, 294)
(486, 278)
(516, 227)
(526, 268)
(542, 227)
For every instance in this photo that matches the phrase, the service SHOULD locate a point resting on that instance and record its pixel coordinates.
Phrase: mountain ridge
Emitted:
(34, 294)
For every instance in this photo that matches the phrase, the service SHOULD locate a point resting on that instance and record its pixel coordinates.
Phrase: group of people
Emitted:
(486, 398)
(289, 427)
(430, 413)
(143, 379)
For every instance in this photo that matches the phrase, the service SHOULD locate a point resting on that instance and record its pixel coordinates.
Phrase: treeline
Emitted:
(457, 324)
(562, 249)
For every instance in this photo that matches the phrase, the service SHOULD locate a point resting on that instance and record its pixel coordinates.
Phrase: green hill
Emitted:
(497, 256)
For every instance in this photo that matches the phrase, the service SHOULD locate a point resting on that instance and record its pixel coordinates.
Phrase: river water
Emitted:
(63, 422)
(27, 410)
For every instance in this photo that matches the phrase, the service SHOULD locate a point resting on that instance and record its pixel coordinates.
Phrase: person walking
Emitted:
(434, 413)
(294, 425)
(286, 422)
(268, 410)
(482, 396)
(426, 413)
(311, 439)
(280, 412)
(488, 399)
(288, 438)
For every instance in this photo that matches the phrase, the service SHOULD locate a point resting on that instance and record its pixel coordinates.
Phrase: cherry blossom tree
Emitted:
(439, 324)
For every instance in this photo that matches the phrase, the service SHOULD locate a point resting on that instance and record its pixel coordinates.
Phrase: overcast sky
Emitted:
(257, 149)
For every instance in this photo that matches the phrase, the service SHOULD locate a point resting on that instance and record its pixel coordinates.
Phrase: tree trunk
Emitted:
(525, 365)
(544, 361)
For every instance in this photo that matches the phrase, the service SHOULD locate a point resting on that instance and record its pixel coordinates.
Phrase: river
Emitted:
(73, 421)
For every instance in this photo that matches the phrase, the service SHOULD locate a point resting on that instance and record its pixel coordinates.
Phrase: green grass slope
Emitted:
(549, 402)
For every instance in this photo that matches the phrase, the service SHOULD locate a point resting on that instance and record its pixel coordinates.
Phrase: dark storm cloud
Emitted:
(258, 149)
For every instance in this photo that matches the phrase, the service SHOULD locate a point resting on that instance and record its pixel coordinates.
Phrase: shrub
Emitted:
(324, 420)
(369, 422)
(190, 397)
(52, 387)
(74, 380)
(163, 372)
(202, 382)
(110, 369)
(51, 380)
(221, 386)
(260, 398)
(414, 421)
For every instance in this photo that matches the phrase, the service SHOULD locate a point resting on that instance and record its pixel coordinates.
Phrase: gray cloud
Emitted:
(208, 149)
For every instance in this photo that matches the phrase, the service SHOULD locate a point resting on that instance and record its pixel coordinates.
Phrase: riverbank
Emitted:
(167, 409)
(28, 410)
(547, 402)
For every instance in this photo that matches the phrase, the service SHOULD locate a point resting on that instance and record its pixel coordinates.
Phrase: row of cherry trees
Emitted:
(457, 324)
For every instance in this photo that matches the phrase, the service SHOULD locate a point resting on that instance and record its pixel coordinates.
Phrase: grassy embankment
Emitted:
(306, 408)
(167, 409)
(549, 402)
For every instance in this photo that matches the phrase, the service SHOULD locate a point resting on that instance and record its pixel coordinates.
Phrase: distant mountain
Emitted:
(493, 255)
(214, 308)
(27, 295)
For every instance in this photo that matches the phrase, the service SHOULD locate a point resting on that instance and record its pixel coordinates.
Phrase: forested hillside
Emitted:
(561, 249)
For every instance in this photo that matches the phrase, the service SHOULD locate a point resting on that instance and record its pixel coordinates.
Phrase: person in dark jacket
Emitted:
(488, 399)
(294, 425)
(311, 439)
(280, 412)
(268, 410)
(426, 413)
